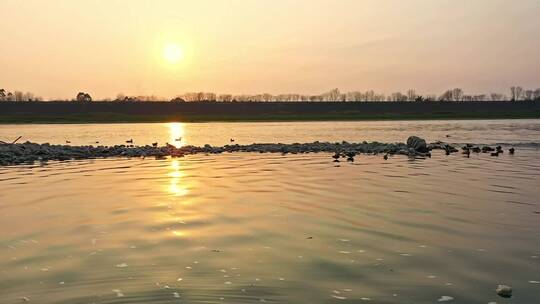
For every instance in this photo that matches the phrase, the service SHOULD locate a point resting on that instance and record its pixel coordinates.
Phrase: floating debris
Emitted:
(445, 299)
(504, 291)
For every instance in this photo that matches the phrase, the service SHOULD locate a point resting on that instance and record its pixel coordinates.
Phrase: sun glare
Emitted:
(173, 53)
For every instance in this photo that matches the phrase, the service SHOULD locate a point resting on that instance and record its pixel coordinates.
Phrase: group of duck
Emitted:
(155, 144)
(449, 149)
(468, 148)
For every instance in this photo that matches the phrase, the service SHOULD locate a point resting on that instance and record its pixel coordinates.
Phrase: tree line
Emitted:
(17, 96)
(516, 93)
(335, 95)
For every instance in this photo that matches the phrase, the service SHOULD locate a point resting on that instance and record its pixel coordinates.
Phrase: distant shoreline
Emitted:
(117, 112)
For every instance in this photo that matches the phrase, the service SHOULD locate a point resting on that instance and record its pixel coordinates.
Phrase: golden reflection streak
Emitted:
(176, 186)
(176, 134)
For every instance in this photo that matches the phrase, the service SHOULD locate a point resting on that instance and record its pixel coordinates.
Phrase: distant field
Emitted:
(114, 112)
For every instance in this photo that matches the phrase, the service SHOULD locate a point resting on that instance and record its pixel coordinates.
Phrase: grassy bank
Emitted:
(64, 112)
(119, 118)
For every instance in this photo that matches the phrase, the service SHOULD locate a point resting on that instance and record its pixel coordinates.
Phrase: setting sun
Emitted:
(173, 53)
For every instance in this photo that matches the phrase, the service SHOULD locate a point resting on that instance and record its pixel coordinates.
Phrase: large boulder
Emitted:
(418, 144)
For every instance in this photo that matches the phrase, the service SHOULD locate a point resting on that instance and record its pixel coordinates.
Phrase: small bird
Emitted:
(447, 150)
(336, 157)
(232, 139)
(385, 157)
(97, 142)
(129, 141)
(178, 139)
(512, 151)
(68, 142)
(154, 144)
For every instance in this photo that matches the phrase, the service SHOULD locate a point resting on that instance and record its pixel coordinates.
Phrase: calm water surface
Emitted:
(476, 131)
(253, 228)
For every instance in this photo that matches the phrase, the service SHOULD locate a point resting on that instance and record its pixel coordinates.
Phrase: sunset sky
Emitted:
(165, 48)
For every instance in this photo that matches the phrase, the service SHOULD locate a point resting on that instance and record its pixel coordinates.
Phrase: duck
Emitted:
(178, 139)
(68, 142)
(129, 141)
(385, 157)
(336, 157)
(512, 151)
(154, 144)
(232, 139)
(351, 154)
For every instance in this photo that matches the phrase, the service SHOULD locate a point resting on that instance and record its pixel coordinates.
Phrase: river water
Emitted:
(254, 228)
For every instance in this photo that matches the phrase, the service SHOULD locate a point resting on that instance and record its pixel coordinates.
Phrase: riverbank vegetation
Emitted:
(515, 93)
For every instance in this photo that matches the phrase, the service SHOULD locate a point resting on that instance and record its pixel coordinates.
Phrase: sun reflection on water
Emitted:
(176, 185)
(176, 134)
